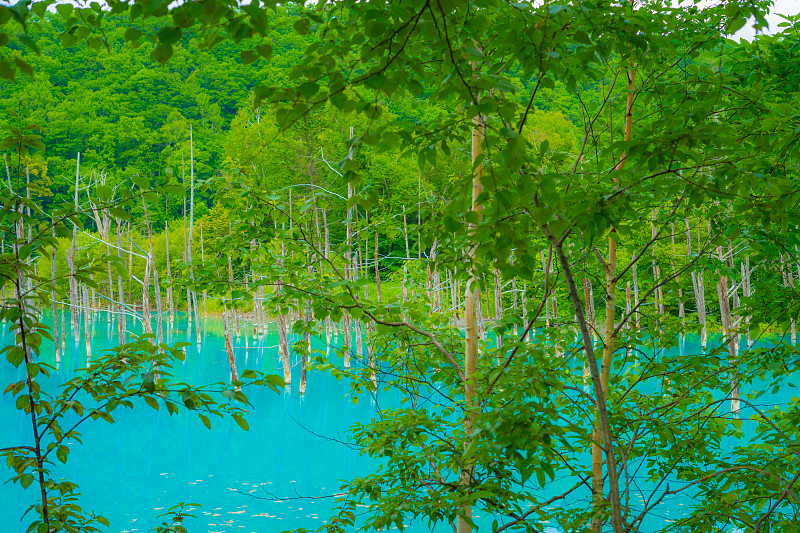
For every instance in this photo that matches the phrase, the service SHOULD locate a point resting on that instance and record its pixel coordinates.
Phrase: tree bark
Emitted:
(471, 299)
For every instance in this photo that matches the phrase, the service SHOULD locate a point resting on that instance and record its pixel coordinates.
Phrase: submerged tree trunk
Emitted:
(74, 294)
(348, 274)
(87, 327)
(728, 333)
(52, 296)
(121, 316)
(788, 282)
(156, 286)
(283, 341)
(226, 324)
(698, 287)
(170, 296)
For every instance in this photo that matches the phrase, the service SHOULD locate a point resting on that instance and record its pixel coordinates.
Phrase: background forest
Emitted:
(513, 215)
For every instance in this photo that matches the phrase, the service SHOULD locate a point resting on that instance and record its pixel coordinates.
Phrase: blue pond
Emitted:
(147, 461)
(278, 476)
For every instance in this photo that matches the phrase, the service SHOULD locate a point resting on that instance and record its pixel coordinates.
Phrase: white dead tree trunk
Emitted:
(121, 317)
(728, 332)
(52, 294)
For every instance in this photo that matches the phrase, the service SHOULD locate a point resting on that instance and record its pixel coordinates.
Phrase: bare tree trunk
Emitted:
(515, 300)
(148, 328)
(301, 389)
(228, 346)
(52, 294)
(698, 287)
(121, 315)
(74, 295)
(451, 284)
(498, 306)
(377, 268)
(170, 296)
(283, 341)
(788, 282)
(681, 307)
(192, 296)
(747, 292)
(63, 331)
(203, 260)
(471, 321)
(728, 332)
(156, 285)
(357, 323)
(348, 273)
(657, 292)
(404, 284)
(87, 327)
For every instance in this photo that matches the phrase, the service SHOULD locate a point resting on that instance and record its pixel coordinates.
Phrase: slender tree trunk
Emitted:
(348, 273)
(471, 319)
(609, 338)
(728, 332)
(203, 260)
(148, 328)
(498, 307)
(74, 296)
(283, 341)
(747, 292)
(377, 268)
(170, 296)
(602, 412)
(87, 327)
(357, 323)
(681, 307)
(788, 282)
(121, 313)
(698, 287)
(408, 258)
(228, 346)
(52, 294)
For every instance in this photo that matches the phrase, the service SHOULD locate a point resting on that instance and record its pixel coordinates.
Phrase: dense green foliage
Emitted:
(606, 137)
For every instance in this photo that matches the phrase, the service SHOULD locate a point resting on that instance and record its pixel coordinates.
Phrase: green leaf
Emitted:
(141, 182)
(7, 70)
(248, 56)
(62, 453)
(264, 50)
(25, 480)
(65, 10)
(205, 420)
(148, 382)
(241, 421)
(169, 35)
(152, 402)
(162, 53)
(172, 188)
(302, 26)
(308, 89)
(131, 34)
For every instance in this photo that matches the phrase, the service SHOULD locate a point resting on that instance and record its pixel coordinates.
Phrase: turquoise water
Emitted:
(278, 476)
(147, 460)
